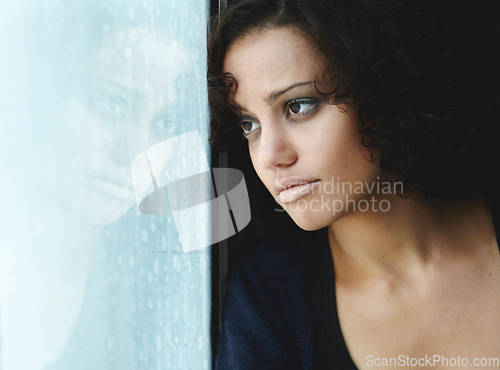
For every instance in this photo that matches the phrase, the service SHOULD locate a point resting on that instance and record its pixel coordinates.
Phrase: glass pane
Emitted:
(87, 280)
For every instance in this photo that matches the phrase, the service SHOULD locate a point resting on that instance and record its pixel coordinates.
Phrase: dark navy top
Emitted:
(280, 309)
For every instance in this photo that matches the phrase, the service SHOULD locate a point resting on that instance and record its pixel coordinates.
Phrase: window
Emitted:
(87, 280)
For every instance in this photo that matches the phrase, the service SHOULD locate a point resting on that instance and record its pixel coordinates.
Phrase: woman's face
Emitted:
(133, 96)
(307, 152)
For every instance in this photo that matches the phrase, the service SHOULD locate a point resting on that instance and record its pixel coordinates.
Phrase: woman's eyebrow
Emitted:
(275, 95)
(238, 107)
(109, 84)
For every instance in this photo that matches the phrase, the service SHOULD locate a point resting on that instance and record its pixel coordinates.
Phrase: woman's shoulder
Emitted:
(268, 313)
(276, 262)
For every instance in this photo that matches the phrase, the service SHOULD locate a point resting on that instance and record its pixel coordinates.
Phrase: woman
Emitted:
(361, 124)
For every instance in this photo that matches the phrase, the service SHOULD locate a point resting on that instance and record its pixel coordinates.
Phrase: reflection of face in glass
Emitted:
(130, 96)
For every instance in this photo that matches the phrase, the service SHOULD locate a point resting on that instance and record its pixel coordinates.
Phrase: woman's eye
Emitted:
(109, 106)
(249, 126)
(301, 107)
(164, 123)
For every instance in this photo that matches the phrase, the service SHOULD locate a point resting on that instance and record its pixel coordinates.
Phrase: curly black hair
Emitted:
(406, 68)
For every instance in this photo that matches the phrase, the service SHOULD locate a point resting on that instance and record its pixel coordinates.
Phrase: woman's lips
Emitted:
(112, 188)
(291, 189)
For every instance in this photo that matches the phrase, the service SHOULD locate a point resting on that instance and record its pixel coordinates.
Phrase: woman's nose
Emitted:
(275, 147)
(128, 142)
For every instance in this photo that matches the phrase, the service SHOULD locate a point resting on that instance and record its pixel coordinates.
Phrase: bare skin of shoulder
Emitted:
(421, 282)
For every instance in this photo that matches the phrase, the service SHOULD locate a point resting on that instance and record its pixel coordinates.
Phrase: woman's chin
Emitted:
(310, 220)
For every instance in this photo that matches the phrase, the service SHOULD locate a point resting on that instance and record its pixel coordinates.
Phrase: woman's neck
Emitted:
(411, 237)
